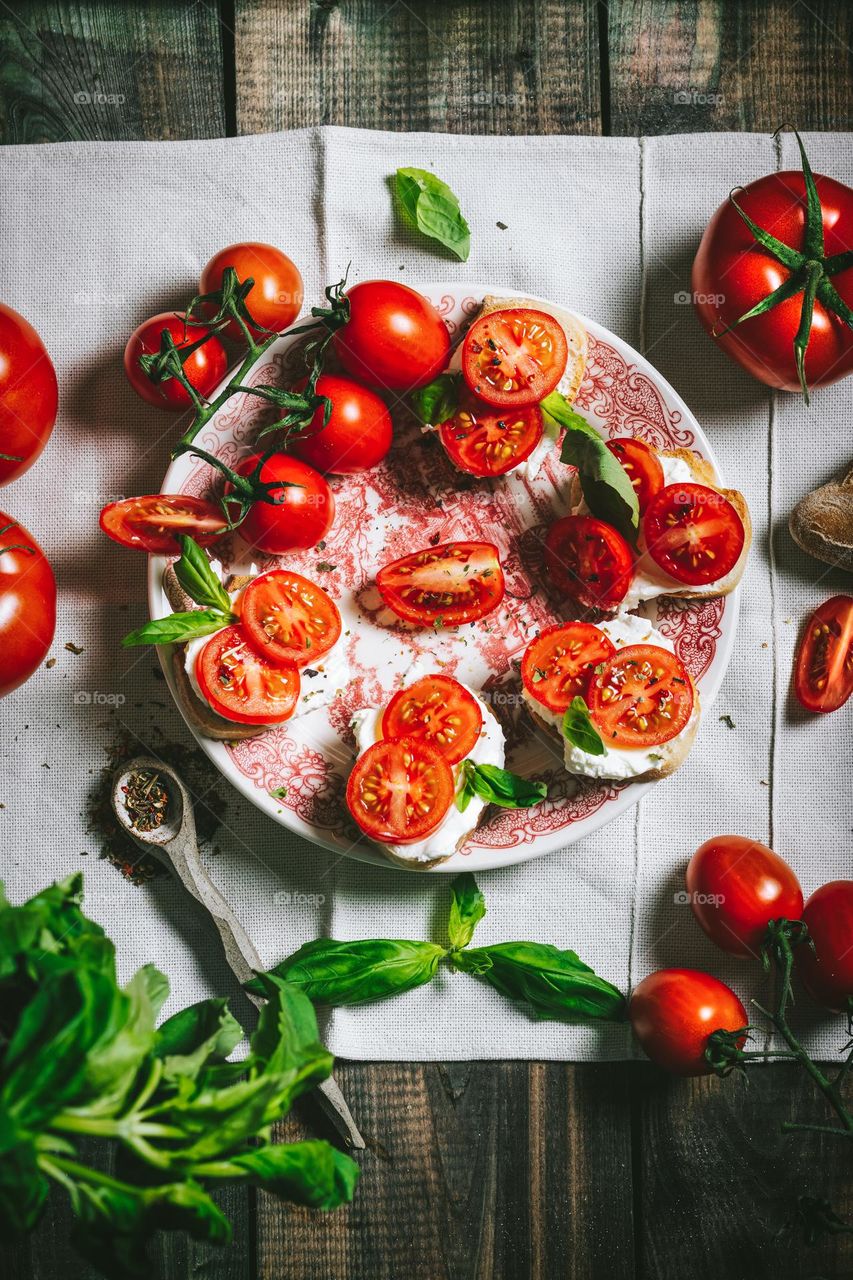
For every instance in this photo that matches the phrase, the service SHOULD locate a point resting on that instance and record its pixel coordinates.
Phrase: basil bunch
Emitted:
(604, 482)
(553, 984)
(80, 1058)
(196, 576)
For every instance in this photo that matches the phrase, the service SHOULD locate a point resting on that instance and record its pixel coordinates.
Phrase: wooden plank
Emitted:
(717, 1181)
(102, 70)
(682, 66)
(512, 67)
(474, 1170)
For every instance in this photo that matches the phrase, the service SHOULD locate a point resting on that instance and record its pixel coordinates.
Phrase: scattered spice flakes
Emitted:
(501, 226)
(73, 648)
(279, 793)
(51, 662)
(727, 721)
(435, 539)
(323, 566)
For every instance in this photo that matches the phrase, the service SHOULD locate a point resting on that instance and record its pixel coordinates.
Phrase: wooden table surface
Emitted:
(493, 1169)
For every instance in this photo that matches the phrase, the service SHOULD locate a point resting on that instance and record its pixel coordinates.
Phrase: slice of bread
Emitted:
(576, 336)
(703, 473)
(676, 751)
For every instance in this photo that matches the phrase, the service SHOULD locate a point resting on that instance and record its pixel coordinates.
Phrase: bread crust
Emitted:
(576, 335)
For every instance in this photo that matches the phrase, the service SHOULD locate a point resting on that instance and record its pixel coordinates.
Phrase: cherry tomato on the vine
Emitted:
(395, 339)
(357, 436)
(736, 887)
(28, 395)
(302, 511)
(27, 604)
(204, 368)
(827, 971)
(674, 1011)
(275, 299)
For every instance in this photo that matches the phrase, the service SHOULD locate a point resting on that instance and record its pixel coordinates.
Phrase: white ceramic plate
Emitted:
(414, 498)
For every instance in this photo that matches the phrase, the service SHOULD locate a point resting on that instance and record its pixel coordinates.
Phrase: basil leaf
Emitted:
(427, 204)
(310, 1173)
(196, 576)
(604, 481)
(193, 1037)
(467, 908)
(500, 787)
(179, 627)
(556, 984)
(437, 401)
(23, 1187)
(579, 730)
(337, 973)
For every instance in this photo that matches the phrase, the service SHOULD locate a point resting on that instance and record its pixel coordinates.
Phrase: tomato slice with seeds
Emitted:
(558, 665)
(485, 441)
(514, 357)
(288, 618)
(693, 533)
(823, 674)
(444, 586)
(642, 697)
(243, 686)
(642, 465)
(154, 522)
(437, 710)
(399, 790)
(589, 561)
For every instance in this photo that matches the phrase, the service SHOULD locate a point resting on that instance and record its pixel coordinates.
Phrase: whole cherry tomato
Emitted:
(395, 339)
(737, 886)
(673, 1012)
(302, 512)
(275, 299)
(28, 395)
(357, 436)
(204, 368)
(27, 604)
(734, 273)
(827, 971)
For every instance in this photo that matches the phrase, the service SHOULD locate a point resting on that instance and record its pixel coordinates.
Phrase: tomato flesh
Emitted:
(827, 971)
(437, 710)
(736, 887)
(514, 357)
(673, 1013)
(823, 674)
(394, 339)
(243, 686)
(399, 790)
(155, 521)
(27, 605)
(693, 533)
(589, 561)
(558, 665)
(489, 442)
(642, 697)
(28, 395)
(446, 585)
(288, 618)
(203, 368)
(642, 465)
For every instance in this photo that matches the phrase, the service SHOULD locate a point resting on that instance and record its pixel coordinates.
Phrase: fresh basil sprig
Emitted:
(195, 574)
(579, 730)
(604, 482)
(552, 983)
(497, 786)
(82, 1062)
(427, 204)
(177, 628)
(438, 400)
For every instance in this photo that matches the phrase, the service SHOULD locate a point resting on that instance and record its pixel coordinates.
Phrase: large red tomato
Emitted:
(27, 604)
(673, 1012)
(737, 886)
(395, 339)
(827, 971)
(28, 395)
(734, 273)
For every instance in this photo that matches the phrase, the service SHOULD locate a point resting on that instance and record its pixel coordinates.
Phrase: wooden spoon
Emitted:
(174, 842)
(822, 523)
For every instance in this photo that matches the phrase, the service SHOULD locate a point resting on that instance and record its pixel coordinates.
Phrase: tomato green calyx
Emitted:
(723, 1053)
(818, 1220)
(810, 270)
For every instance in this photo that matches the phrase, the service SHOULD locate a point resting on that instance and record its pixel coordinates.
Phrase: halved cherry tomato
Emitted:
(444, 586)
(736, 887)
(399, 790)
(275, 299)
(489, 442)
(243, 686)
(395, 339)
(514, 357)
(558, 664)
(827, 971)
(357, 436)
(823, 674)
(302, 511)
(589, 561)
(673, 1012)
(154, 521)
(693, 533)
(437, 710)
(642, 697)
(288, 618)
(204, 368)
(642, 465)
